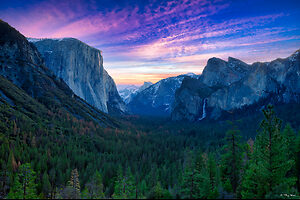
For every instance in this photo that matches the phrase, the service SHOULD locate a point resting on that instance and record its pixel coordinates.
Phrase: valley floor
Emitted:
(59, 156)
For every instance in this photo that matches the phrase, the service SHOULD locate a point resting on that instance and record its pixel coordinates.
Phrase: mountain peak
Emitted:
(235, 60)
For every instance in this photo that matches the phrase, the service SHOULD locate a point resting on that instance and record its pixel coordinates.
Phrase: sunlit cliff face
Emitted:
(150, 40)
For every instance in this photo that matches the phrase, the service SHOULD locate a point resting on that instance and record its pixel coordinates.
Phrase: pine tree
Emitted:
(158, 192)
(94, 188)
(213, 181)
(231, 160)
(11, 166)
(124, 185)
(189, 184)
(72, 190)
(290, 138)
(24, 186)
(200, 178)
(266, 175)
(74, 181)
(46, 185)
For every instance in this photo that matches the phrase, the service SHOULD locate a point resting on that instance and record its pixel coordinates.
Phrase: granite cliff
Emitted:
(229, 86)
(30, 87)
(81, 67)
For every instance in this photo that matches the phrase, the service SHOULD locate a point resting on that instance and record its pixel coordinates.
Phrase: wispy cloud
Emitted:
(150, 40)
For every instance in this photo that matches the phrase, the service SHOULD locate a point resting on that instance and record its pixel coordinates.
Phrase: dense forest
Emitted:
(59, 156)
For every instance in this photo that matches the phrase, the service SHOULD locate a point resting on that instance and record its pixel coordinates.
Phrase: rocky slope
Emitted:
(158, 98)
(237, 85)
(81, 67)
(23, 74)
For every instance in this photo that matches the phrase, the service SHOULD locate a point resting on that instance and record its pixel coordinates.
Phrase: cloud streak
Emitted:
(155, 39)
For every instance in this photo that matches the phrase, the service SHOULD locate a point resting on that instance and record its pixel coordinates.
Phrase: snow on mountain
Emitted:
(158, 98)
(127, 92)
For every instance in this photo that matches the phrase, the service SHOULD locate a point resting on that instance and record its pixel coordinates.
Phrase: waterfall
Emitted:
(203, 110)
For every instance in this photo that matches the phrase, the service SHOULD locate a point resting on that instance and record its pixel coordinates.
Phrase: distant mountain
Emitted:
(81, 67)
(158, 98)
(27, 86)
(127, 93)
(226, 87)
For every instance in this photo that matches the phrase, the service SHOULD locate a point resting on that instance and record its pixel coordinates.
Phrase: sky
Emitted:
(145, 40)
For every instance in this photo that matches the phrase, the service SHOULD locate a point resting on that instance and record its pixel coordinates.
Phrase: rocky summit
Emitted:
(81, 67)
(158, 98)
(229, 86)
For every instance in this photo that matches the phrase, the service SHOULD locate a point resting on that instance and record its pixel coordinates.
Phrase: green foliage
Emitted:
(55, 142)
(46, 185)
(24, 186)
(266, 175)
(290, 137)
(124, 185)
(94, 188)
(200, 177)
(231, 161)
(158, 192)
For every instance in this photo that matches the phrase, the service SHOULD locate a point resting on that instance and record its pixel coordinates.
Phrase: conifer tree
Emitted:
(94, 188)
(231, 160)
(124, 185)
(74, 180)
(190, 184)
(200, 178)
(158, 192)
(213, 181)
(24, 186)
(290, 137)
(269, 164)
(46, 185)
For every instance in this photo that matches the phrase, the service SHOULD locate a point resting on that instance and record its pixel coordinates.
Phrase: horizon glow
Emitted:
(151, 40)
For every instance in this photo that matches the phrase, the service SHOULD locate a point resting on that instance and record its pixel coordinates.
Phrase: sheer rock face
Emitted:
(22, 65)
(232, 85)
(221, 73)
(81, 67)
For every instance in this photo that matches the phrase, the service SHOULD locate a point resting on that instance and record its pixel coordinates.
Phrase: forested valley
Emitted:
(63, 157)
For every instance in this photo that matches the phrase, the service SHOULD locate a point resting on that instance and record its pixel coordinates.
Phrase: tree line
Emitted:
(113, 164)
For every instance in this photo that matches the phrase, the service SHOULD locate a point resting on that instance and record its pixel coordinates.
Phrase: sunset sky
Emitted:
(149, 40)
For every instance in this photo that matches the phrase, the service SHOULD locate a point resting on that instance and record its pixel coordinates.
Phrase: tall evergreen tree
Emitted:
(94, 188)
(72, 190)
(200, 177)
(189, 185)
(74, 181)
(290, 137)
(269, 164)
(213, 180)
(124, 185)
(231, 159)
(24, 186)
(158, 192)
(46, 185)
